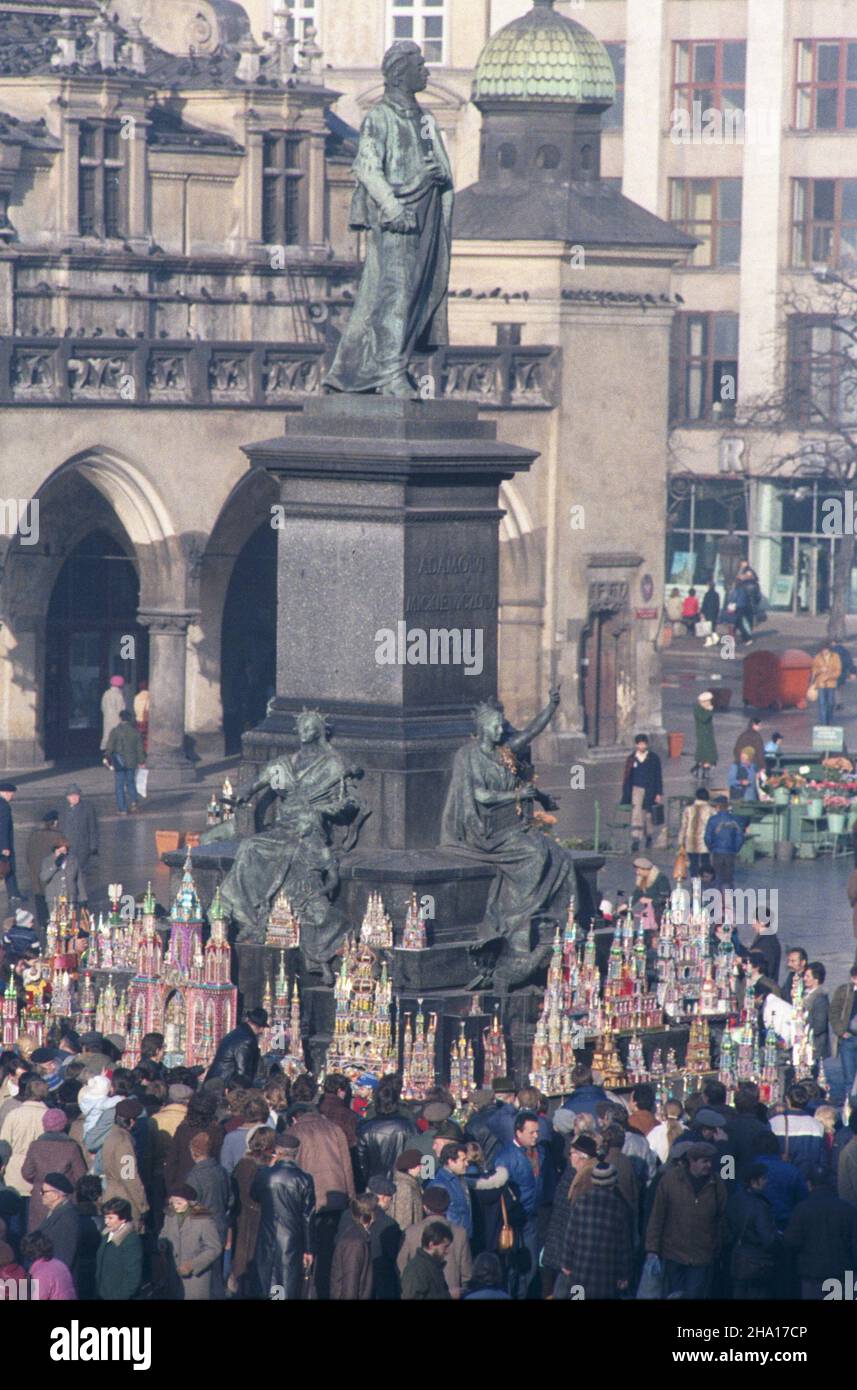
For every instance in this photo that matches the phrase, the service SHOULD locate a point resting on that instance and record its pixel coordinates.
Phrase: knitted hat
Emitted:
(184, 1189)
(707, 1119)
(604, 1175)
(117, 681)
(53, 1121)
(59, 1182)
(643, 863)
(129, 1109)
(96, 1088)
(179, 1094)
(436, 1199)
(585, 1144)
(482, 1097)
(411, 1158)
(705, 698)
(436, 1112)
(8, 787)
(700, 1150)
(73, 789)
(381, 1186)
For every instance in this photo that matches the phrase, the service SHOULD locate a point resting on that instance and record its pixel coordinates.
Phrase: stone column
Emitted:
(167, 662)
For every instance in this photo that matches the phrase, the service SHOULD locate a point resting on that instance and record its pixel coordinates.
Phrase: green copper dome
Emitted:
(545, 57)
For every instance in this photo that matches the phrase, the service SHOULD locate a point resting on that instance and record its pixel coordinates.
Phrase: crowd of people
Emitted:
(235, 1183)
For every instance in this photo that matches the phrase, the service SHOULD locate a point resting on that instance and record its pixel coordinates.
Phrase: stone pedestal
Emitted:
(387, 623)
(389, 525)
(166, 757)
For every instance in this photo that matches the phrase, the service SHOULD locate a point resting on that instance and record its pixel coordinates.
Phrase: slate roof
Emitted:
(28, 43)
(34, 134)
(587, 214)
(167, 131)
(545, 57)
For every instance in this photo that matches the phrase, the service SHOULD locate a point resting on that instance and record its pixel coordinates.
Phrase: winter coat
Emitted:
(119, 1264)
(286, 1197)
(112, 705)
(118, 1158)
(706, 748)
(324, 1154)
(79, 829)
(125, 747)
(846, 1174)
(237, 1057)
(407, 1201)
(684, 1225)
(750, 738)
(335, 1110)
(51, 1282)
(178, 1161)
(192, 1241)
(460, 1212)
(459, 1260)
(584, 1099)
(62, 880)
(694, 819)
(40, 844)
(841, 1005)
(646, 774)
(62, 1227)
(711, 606)
(598, 1245)
(50, 1153)
(20, 1127)
(752, 1231)
(211, 1186)
(351, 1271)
(723, 834)
(423, 1278)
(823, 1235)
(380, 1141)
(527, 1187)
(246, 1215)
(784, 1189)
(166, 1122)
(743, 781)
(818, 1015)
(826, 670)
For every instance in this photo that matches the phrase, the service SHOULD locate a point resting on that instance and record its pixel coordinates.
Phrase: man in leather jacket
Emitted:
(284, 1248)
(237, 1057)
(382, 1139)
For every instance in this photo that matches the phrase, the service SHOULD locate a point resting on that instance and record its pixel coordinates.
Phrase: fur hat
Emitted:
(410, 1158)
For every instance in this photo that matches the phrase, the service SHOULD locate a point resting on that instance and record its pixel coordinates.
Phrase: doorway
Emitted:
(601, 661)
(91, 617)
(248, 645)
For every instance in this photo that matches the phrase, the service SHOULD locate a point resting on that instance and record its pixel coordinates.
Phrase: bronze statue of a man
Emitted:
(403, 199)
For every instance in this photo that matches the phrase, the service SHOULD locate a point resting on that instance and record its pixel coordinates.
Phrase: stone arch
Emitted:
(94, 489)
(246, 509)
(522, 598)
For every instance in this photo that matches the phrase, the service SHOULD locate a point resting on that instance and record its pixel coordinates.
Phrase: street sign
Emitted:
(827, 738)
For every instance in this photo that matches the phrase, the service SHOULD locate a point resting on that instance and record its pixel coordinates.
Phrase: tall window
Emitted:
(304, 14)
(101, 181)
(424, 21)
(826, 89)
(711, 73)
(710, 210)
(704, 367)
(282, 190)
(614, 119)
(825, 222)
(822, 370)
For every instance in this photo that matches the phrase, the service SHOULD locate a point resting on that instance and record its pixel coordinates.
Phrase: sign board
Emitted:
(782, 591)
(827, 738)
(646, 613)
